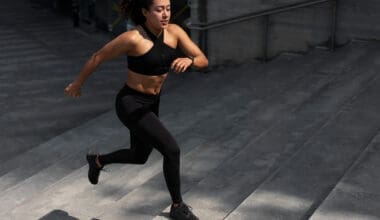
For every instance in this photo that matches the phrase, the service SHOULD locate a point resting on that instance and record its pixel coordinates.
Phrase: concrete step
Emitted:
(74, 188)
(217, 133)
(356, 196)
(306, 177)
(291, 132)
(44, 178)
(38, 123)
(213, 153)
(19, 174)
(245, 91)
(196, 126)
(36, 83)
(17, 45)
(49, 117)
(39, 167)
(11, 52)
(232, 100)
(30, 162)
(24, 14)
(28, 59)
(71, 109)
(186, 138)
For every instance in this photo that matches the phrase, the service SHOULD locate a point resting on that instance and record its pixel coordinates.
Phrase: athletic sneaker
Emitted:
(93, 169)
(182, 212)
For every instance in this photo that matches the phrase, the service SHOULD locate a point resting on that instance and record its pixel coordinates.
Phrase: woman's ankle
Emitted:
(175, 205)
(98, 162)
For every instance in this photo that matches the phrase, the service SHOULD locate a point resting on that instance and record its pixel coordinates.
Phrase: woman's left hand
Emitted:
(180, 65)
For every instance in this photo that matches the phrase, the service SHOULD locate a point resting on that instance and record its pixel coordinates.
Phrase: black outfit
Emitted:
(139, 112)
(157, 60)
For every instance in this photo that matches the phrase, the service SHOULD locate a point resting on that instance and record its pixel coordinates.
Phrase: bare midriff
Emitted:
(144, 83)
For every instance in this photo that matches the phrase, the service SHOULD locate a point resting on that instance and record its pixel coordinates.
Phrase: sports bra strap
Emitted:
(150, 34)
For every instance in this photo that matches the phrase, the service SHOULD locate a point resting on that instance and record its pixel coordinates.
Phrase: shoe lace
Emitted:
(187, 209)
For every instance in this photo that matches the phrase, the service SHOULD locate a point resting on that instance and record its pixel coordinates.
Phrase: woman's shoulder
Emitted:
(174, 28)
(133, 35)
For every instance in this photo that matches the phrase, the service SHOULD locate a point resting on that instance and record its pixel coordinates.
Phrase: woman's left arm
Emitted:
(195, 57)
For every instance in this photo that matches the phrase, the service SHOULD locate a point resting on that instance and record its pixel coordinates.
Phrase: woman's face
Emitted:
(158, 15)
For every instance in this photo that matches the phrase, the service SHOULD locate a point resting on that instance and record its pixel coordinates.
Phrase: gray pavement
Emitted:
(295, 138)
(40, 54)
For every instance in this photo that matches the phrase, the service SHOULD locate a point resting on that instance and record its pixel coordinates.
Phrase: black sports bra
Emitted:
(157, 60)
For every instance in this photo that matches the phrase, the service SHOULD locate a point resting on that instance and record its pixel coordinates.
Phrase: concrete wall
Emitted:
(108, 17)
(61, 6)
(294, 31)
(358, 19)
(228, 46)
(298, 30)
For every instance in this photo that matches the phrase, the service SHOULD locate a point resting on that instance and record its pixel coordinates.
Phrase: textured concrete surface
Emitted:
(356, 196)
(295, 138)
(40, 54)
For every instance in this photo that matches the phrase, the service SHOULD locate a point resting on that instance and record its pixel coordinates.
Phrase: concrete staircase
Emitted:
(296, 138)
(279, 140)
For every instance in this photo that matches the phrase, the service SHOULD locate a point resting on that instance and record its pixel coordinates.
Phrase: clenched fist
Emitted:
(73, 90)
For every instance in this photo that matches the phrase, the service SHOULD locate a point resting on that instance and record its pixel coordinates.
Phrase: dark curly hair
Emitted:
(131, 9)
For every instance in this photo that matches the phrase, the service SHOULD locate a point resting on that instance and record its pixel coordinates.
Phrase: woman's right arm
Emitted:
(118, 46)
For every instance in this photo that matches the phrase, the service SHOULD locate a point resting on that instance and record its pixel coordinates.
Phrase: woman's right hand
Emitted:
(73, 90)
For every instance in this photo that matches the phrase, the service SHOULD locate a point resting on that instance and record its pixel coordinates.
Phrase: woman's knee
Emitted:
(141, 154)
(141, 160)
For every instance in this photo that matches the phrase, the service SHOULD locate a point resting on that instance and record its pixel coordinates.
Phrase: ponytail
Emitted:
(132, 9)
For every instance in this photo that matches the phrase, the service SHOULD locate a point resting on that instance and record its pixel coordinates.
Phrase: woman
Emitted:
(151, 51)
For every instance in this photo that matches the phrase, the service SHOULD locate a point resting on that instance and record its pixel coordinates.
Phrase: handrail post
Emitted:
(333, 25)
(203, 41)
(202, 13)
(266, 38)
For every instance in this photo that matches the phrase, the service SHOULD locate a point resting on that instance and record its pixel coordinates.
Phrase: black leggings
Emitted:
(139, 112)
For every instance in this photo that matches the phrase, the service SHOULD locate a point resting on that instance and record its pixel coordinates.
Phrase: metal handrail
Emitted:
(204, 27)
(280, 9)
